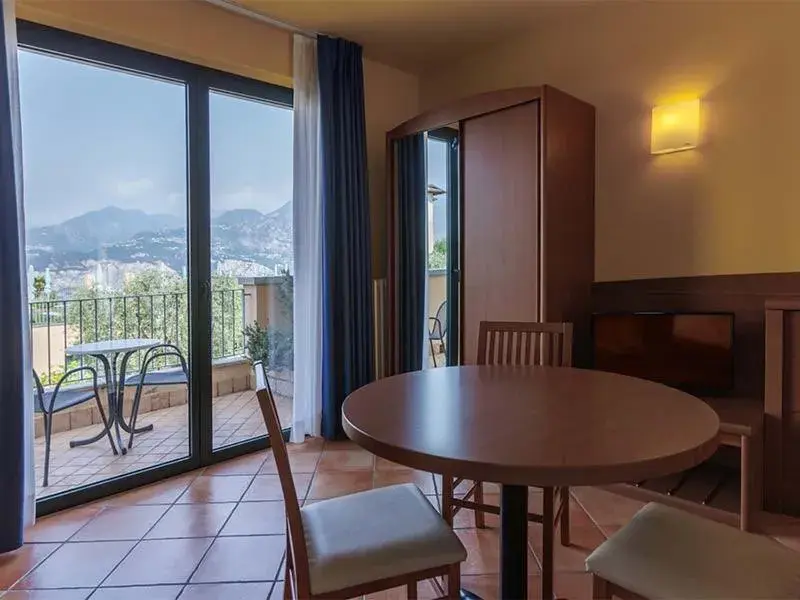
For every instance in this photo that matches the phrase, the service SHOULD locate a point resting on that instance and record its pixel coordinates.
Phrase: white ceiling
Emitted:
(415, 34)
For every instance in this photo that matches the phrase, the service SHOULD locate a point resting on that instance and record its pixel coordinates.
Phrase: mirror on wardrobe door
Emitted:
(442, 232)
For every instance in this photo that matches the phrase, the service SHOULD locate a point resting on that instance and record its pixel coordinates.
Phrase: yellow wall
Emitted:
(733, 205)
(198, 32)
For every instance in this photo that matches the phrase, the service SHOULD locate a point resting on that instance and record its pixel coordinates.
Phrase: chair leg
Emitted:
(412, 591)
(480, 517)
(447, 499)
(563, 524)
(601, 590)
(454, 582)
(48, 429)
(105, 424)
(135, 413)
(433, 352)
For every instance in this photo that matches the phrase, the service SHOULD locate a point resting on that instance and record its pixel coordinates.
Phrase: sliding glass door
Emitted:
(252, 258)
(159, 249)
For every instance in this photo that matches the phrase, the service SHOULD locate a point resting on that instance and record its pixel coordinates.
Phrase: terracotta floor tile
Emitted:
(254, 558)
(257, 518)
(160, 561)
(483, 551)
(609, 530)
(309, 445)
(339, 483)
(381, 464)
(341, 445)
(121, 523)
(15, 565)
(568, 586)
(425, 591)
(583, 540)
(47, 594)
(227, 591)
(192, 520)
(465, 519)
(77, 565)
(61, 526)
(160, 592)
(424, 481)
(577, 515)
(268, 487)
(346, 460)
(216, 489)
(249, 464)
(487, 587)
(606, 508)
(573, 586)
(165, 492)
(300, 462)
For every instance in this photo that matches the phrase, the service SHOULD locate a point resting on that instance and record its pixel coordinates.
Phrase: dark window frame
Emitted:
(199, 81)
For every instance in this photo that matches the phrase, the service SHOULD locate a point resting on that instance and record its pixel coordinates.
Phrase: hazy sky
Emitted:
(437, 175)
(95, 137)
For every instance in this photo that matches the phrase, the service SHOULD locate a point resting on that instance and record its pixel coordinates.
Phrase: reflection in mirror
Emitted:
(441, 243)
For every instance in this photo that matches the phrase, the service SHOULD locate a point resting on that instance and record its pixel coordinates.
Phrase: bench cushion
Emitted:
(668, 553)
(375, 535)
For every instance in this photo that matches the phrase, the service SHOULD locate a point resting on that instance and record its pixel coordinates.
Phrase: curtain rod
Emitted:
(231, 6)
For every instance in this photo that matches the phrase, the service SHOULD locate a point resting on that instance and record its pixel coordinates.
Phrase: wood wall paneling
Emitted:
(500, 213)
(767, 353)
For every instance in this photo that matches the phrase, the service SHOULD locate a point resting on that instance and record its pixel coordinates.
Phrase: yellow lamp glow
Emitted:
(675, 127)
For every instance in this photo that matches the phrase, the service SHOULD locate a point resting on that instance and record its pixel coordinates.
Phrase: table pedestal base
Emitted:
(514, 542)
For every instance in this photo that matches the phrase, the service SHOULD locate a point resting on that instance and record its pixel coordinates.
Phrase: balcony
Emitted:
(58, 324)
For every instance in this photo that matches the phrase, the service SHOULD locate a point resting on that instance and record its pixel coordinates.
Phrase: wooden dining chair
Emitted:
(362, 543)
(521, 344)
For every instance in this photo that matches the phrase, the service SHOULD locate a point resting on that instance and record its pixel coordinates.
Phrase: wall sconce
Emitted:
(675, 127)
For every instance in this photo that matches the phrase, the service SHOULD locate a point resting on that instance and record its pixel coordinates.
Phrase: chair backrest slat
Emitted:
(545, 344)
(296, 537)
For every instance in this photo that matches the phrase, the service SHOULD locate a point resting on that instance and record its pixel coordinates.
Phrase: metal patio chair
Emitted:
(48, 403)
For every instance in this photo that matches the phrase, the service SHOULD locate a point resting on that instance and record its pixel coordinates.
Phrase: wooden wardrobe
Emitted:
(527, 173)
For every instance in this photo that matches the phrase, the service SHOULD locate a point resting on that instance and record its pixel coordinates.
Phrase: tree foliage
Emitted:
(437, 259)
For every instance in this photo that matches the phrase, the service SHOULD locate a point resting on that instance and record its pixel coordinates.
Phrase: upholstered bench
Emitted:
(665, 553)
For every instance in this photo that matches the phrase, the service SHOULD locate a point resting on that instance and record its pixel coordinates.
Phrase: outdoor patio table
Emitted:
(110, 353)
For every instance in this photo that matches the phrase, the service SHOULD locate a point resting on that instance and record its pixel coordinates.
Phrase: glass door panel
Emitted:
(251, 261)
(437, 246)
(105, 171)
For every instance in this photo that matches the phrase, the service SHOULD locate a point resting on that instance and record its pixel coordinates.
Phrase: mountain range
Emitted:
(131, 236)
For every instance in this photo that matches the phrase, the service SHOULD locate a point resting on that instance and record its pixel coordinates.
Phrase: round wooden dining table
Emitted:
(530, 426)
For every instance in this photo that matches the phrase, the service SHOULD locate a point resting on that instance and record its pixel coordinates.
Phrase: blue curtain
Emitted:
(347, 334)
(13, 378)
(411, 245)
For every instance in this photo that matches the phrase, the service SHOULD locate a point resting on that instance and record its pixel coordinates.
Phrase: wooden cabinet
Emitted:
(526, 178)
(528, 216)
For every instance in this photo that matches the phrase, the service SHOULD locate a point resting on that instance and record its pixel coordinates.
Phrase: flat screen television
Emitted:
(689, 351)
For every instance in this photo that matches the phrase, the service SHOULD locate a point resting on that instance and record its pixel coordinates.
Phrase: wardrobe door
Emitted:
(501, 220)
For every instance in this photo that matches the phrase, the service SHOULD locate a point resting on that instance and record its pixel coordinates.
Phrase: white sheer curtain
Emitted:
(307, 203)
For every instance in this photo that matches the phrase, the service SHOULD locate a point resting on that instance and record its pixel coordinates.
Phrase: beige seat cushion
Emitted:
(373, 535)
(667, 553)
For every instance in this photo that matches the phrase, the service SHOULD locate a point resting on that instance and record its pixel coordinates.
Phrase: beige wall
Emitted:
(729, 207)
(198, 32)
